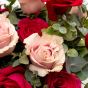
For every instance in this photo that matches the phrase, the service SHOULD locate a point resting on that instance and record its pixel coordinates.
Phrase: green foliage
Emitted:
(16, 63)
(12, 16)
(81, 75)
(32, 78)
(75, 64)
(72, 53)
(86, 86)
(83, 30)
(85, 70)
(23, 59)
(11, 2)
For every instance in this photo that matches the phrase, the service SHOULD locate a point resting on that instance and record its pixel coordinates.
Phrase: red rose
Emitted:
(62, 80)
(56, 7)
(29, 26)
(2, 10)
(13, 78)
(86, 40)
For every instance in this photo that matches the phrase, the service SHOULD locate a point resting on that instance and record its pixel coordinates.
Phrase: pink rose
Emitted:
(8, 36)
(31, 6)
(46, 53)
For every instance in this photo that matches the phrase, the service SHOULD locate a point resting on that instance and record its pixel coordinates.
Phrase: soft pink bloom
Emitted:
(46, 53)
(8, 36)
(31, 6)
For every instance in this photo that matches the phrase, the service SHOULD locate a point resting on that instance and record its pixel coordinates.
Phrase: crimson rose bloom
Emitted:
(29, 26)
(86, 40)
(56, 7)
(13, 78)
(62, 80)
(2, 10)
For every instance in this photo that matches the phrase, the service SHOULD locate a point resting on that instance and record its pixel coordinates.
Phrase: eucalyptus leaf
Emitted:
(83, 30)
(85, 70)
(71, 34)
(50, 31)
(76, 63)
(83, 52)
(65, 47)
(24, 59)
(56, 26)
(81, 76)
(62, 30)
(16, 63)
(32, 78)
(72, 24)
(28, 76)
(72, 53)
(13, 18)
(81, 42)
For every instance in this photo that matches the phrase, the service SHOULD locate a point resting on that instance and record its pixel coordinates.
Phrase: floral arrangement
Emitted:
(43, 44)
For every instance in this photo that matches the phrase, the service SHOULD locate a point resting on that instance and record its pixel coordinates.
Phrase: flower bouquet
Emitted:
(43, 44)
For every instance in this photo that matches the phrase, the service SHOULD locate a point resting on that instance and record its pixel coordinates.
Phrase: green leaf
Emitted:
(73, 24)
(28, 76)
(24, 59)
(16, 63)
(73, 18)
(86, 86)
(62, 30)
(65, 47)
(72, 53)
(83, 52)
(76, 63)
(32, 78)
(13, 18)
(81, 42)
(81, 76)
(83, 30)
(71, 34)
(56, 26)
(85, 22)
(50, 31)
(85, 70)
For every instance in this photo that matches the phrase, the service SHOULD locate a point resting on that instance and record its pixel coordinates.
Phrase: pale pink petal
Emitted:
(41, 71)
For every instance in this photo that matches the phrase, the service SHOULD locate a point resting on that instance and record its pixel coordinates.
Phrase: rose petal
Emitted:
(41, 72)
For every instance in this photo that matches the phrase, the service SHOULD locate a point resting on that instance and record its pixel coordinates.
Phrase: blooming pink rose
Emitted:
(31, 6)
(46, 53)
(11, 77)
(8, 36)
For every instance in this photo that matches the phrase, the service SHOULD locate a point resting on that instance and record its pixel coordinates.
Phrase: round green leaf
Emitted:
(65, 47)
(81, 76)
(85, 70)
(81, 42)
(56, 26)
(76, 63)
(24, 59)
(71, 34)
(72, 53)
(62, 30)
